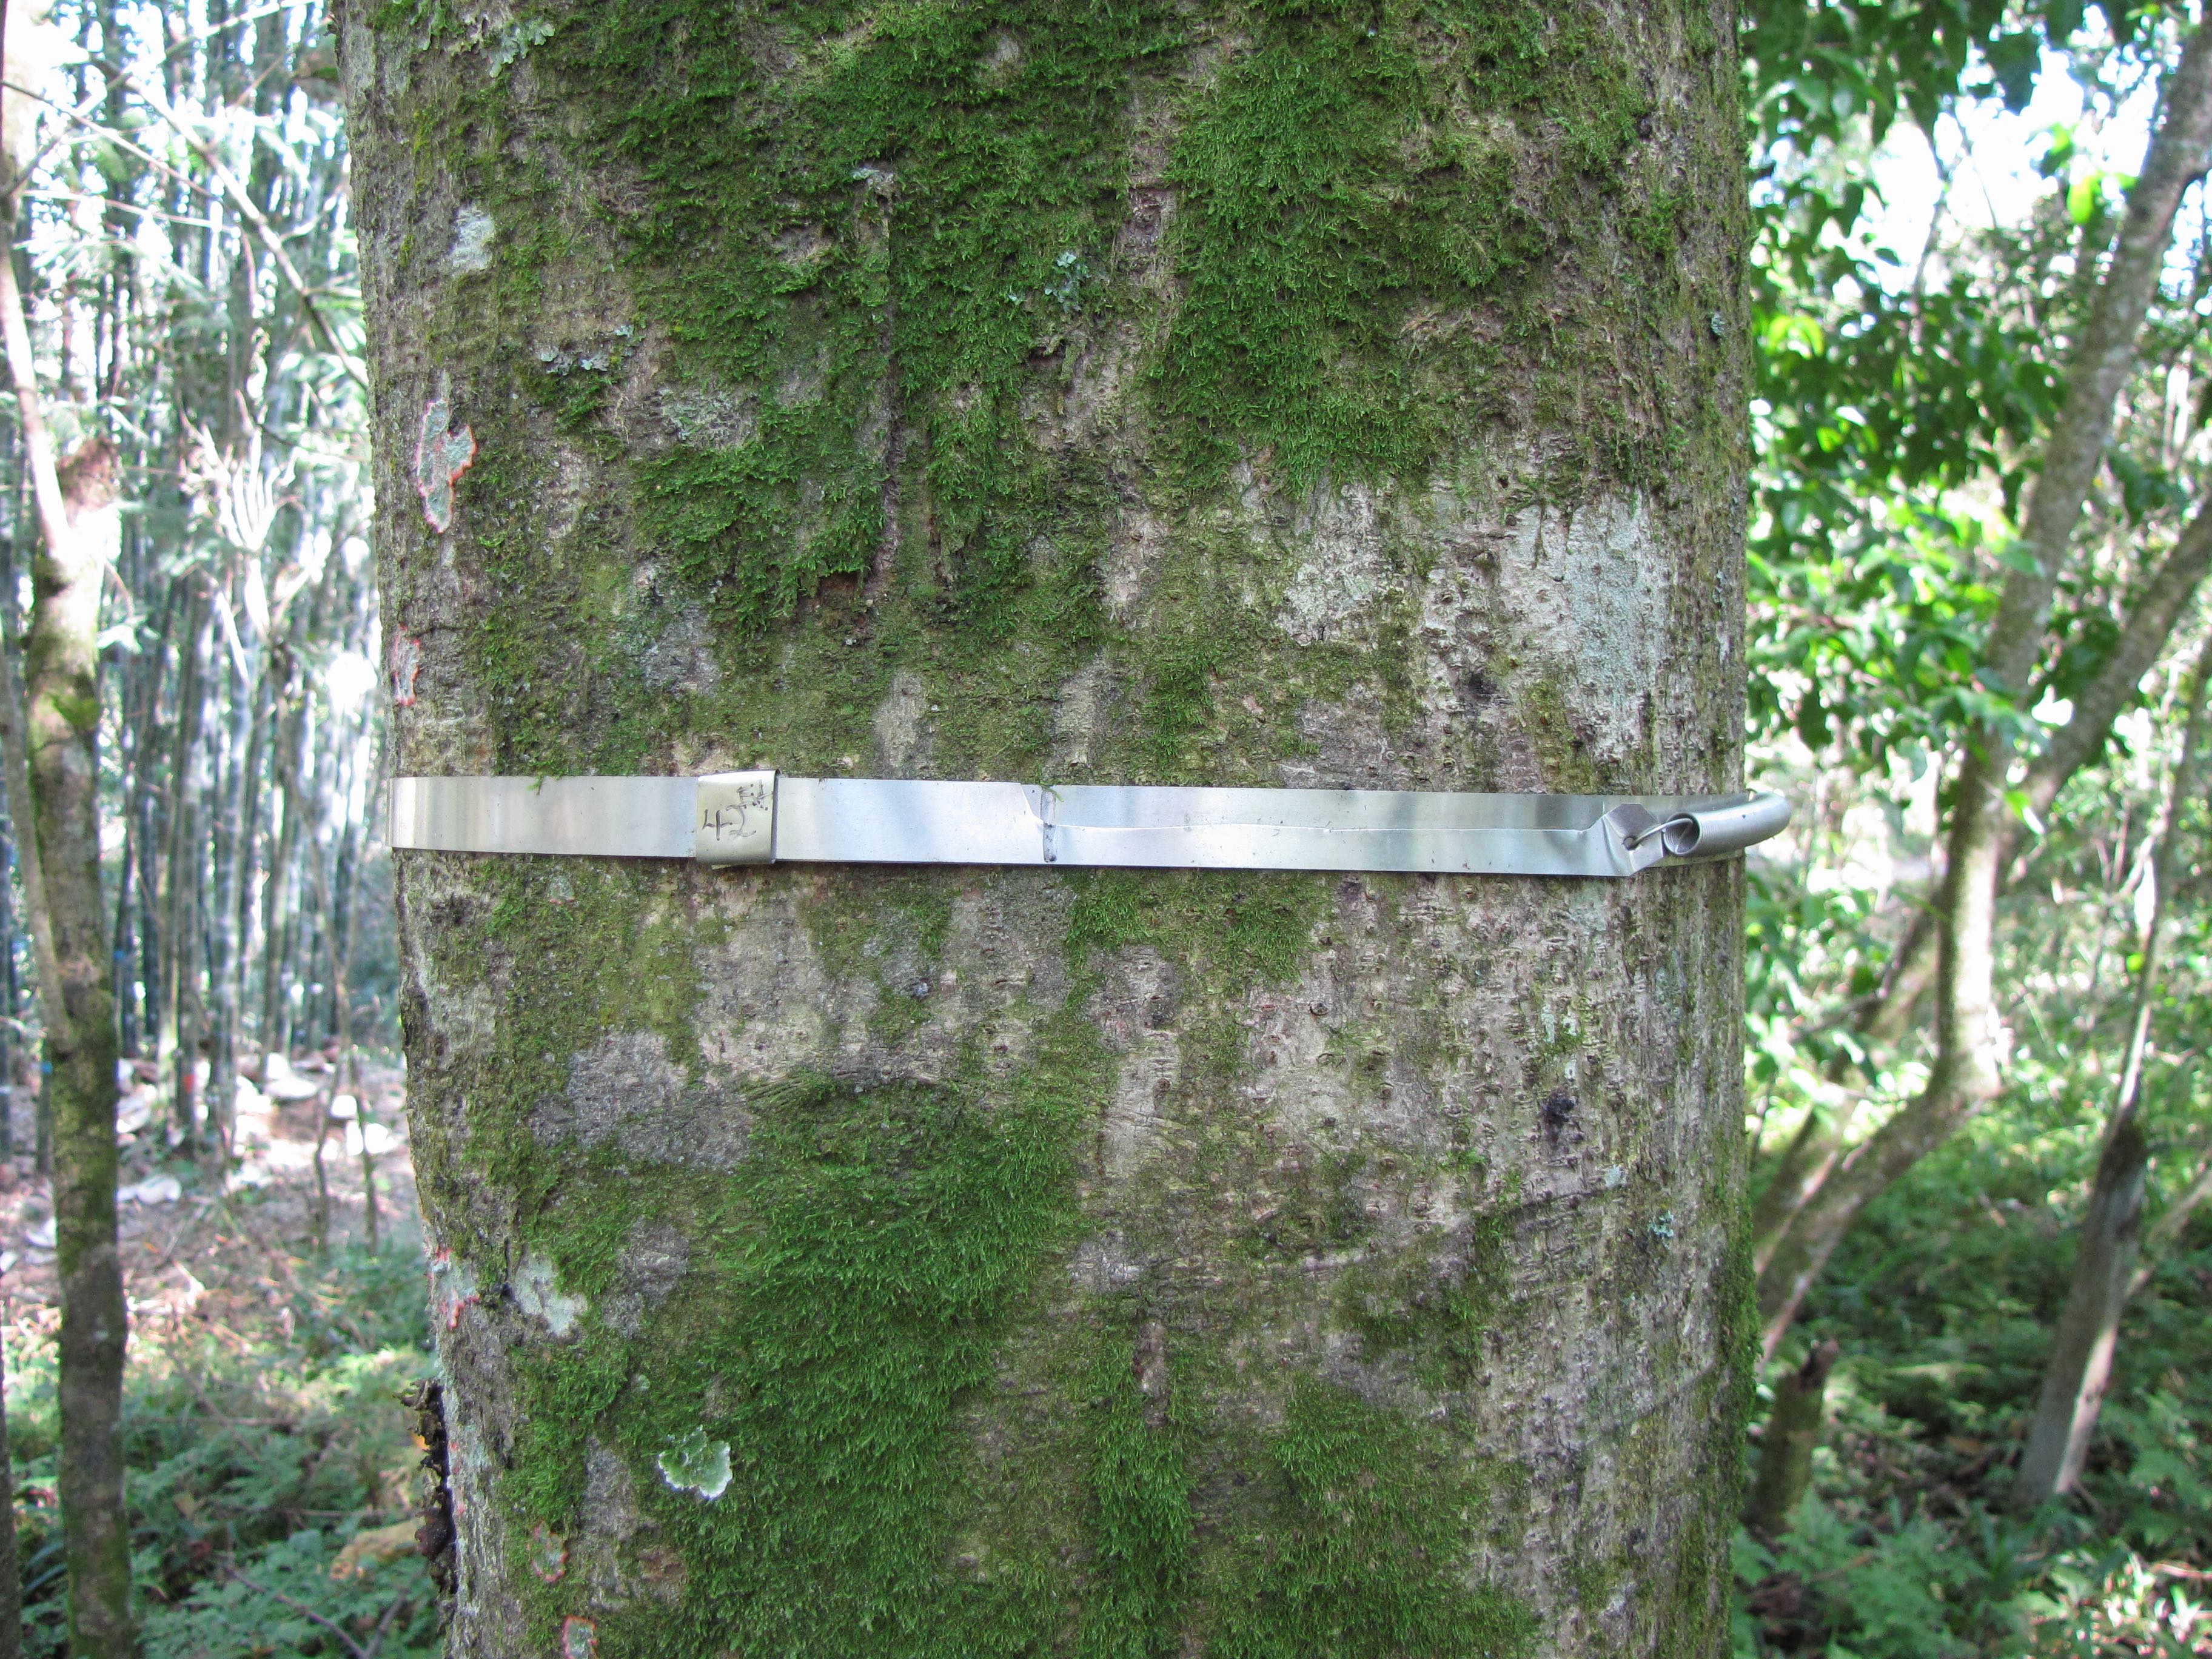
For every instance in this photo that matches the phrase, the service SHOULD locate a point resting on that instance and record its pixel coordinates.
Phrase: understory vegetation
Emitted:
(1942, 1301)
(273, 1481)
(1944, 206)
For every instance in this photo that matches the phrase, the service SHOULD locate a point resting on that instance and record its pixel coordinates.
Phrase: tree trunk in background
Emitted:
(10, 1004)
(289, 717)
(2081, 1365)
(230, 857)
(182, 907)
(53, 760)
(1830, 1188)
(61, 666)
(1793, 1434)
(841, 1262)
(11, 1572)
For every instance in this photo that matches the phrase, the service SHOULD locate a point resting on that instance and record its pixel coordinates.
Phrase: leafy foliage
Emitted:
(1942, 1301)
(284, 1608)
(259, 1458)
(1903, 395)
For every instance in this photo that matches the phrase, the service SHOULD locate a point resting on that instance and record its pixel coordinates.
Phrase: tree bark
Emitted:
(1793, 1434)
(53, 756)
(231, 859)
(2088, 1328)
(183, 907)
(63, 660)
(11, 1572)
(2081, 1365)
(1981, 825)
(836, 1261)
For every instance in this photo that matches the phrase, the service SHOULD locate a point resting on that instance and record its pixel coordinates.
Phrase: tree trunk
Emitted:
(10, 1000)
(839, 1260)
(231, 857)
(55, 766)
(182, 906)
(51, 745)
(1793, 1433)
(2081, 1365)
(11, 1572)
(62, 663)
(289, 717)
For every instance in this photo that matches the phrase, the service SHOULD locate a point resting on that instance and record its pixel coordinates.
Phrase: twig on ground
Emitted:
(308, 1613)
(384, 1625)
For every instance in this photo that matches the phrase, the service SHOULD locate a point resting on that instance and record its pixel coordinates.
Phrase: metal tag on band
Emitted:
(761, 818)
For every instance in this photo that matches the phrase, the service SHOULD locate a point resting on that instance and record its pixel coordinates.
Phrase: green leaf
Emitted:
(2084, 197)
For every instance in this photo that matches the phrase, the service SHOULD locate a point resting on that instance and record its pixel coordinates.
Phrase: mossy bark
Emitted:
(61, 663)
(853, 1261)
(1793, 1435)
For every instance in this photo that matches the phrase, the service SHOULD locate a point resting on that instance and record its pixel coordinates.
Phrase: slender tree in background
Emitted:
(79, 530)
(11, 1575)
(1824, 1185)
(2081, 1365)
(847, 1261)
(1792, 1433)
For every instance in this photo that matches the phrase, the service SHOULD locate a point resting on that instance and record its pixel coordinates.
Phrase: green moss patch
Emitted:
(848, 203)
(1249, 927)
(1141, 1519)
(1345, 214)
(1364, 1556)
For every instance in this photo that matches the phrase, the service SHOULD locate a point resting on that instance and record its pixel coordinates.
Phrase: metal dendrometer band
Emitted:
(763, 817)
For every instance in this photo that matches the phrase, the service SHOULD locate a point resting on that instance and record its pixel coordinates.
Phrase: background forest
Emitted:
(1943, 216)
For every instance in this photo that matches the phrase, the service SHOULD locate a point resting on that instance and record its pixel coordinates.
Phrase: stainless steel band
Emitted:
(762, 818)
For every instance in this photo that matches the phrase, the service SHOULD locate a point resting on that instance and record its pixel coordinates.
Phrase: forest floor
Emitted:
(1941, 1301)
(185, 1240)
(272, 1477)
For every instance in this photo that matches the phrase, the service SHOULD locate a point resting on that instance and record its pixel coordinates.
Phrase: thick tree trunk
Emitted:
(850, 1261)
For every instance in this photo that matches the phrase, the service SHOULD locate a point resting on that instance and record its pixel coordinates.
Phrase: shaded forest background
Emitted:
(184, 245)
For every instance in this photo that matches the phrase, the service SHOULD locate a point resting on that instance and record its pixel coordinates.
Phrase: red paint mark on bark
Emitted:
(406, 665)
(441, 457)
(453, 1287)
(548, 1552)
(579, 1638)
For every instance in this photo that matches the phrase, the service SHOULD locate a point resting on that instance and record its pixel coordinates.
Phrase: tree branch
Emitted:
(307, 1612)
(2101, 362)
(2148, 626)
